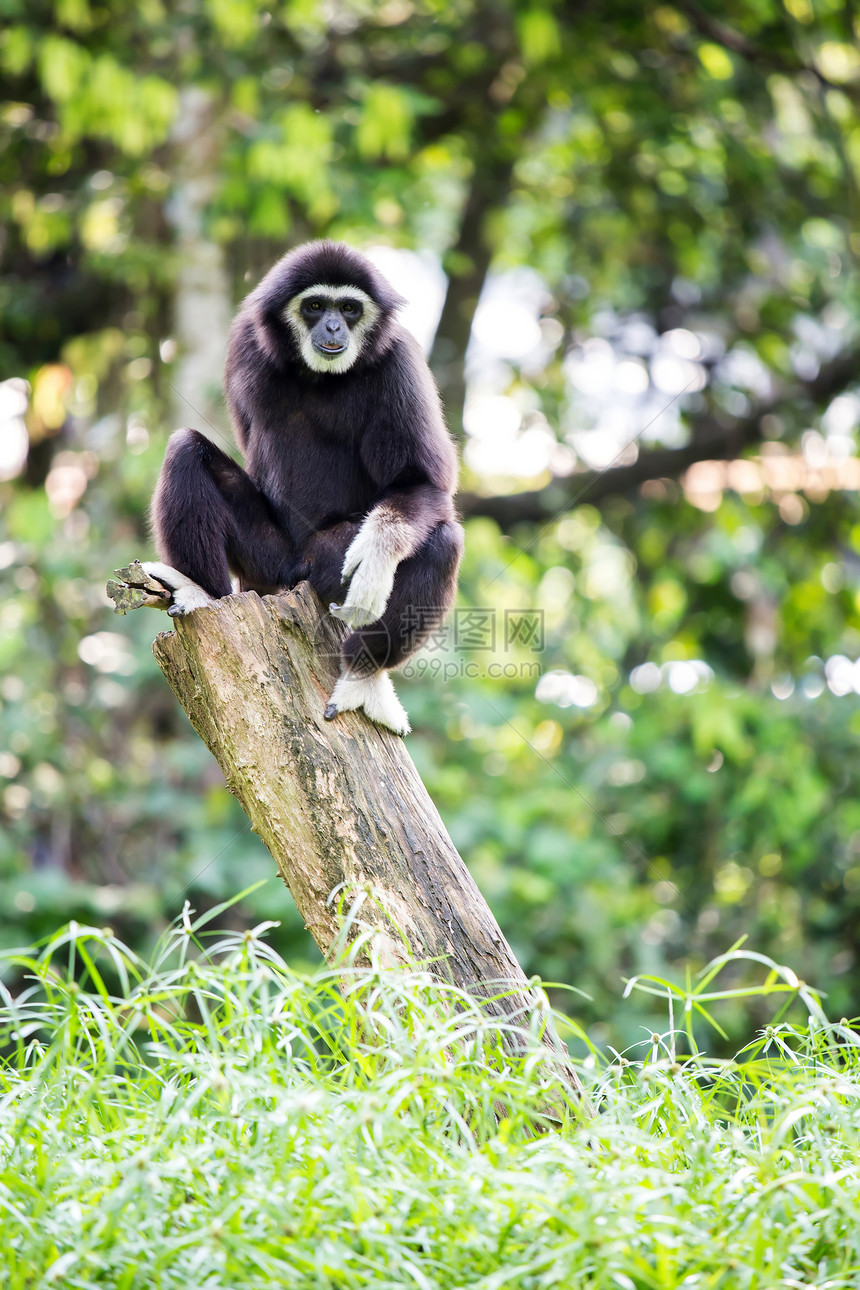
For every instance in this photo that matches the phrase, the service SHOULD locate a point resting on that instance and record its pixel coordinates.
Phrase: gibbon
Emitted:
(349, 472)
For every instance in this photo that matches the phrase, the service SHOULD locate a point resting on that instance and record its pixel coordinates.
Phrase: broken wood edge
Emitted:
(134, 588)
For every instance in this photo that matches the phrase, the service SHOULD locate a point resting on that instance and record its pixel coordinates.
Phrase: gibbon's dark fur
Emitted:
(321, 451)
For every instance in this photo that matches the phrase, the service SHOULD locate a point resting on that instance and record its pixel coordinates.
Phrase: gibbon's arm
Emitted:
(234, 389)
(248, 370)
(408, 451)
(410, 456)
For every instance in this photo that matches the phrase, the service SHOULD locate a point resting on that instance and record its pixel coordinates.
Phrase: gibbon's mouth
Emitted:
(330, 351)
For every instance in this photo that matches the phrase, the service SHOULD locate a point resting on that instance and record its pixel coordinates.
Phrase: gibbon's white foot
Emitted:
(187, 596)
(375, 694)
(370, 565)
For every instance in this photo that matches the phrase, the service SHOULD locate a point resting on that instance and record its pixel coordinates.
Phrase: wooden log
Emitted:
(133, 588)
(339, 804)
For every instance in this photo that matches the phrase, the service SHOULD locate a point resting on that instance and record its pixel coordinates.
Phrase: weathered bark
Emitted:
(339, 804)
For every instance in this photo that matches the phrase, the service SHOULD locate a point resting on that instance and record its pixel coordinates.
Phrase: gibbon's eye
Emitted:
(314, 306)
(351, 308)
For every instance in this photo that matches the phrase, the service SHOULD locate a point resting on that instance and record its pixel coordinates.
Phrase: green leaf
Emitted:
(539, 35)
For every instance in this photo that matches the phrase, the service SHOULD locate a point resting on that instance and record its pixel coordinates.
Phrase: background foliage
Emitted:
(665, 471)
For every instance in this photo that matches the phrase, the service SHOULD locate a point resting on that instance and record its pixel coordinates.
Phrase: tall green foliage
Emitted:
(221, 1119)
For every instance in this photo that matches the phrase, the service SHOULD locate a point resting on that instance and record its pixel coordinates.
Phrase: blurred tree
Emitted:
(663, 419)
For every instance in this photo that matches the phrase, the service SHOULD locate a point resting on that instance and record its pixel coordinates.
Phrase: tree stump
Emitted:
(339, 804)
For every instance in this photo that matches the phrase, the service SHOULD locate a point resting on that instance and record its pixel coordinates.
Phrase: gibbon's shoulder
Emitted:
(408, 368)
(402, 355)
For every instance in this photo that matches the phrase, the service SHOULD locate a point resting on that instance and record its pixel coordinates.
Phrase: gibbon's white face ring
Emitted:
(340, 362)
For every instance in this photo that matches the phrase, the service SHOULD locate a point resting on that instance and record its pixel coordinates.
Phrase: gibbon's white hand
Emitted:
(370, 573)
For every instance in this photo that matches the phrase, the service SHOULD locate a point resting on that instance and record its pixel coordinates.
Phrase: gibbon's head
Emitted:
(326, 307)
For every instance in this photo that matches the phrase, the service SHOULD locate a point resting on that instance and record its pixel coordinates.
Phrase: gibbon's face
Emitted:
(330, 325)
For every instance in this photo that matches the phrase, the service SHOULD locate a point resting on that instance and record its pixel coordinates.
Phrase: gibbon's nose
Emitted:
(332, 326)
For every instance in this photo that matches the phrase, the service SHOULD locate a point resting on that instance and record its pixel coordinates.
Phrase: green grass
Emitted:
(218, 1120)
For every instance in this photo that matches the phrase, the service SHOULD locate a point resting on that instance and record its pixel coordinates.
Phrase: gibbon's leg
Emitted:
(424, 588)
(324, 554)
(209, 518)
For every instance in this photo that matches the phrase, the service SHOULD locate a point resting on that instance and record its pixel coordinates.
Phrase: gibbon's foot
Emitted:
(375, 695)
(370, 570)
(187, 596)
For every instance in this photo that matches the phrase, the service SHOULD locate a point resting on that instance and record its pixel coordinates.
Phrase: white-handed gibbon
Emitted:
(349, 472)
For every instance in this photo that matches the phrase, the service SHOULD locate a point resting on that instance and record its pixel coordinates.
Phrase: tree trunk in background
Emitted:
(339, 804)
(203, 308)
(467, 264)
